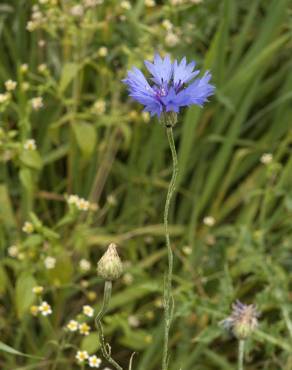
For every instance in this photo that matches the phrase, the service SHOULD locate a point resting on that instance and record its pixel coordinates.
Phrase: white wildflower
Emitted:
(266, 158)
(81, 356)
(28, 227)
(88, 310)
(13, 251)
(50, 262)
(94, 361)
(72, 325)
(126, 5)
(30, 144)
(45, 308)
(84, 265)
(102, 51)
(209, 221)
(37, 103)
(10, 85)
(77, 10)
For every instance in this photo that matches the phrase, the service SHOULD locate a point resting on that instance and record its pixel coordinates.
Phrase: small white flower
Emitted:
(167, 24)
(38, 289)
(187, 250)
(30, 144)
(4, 98)
(13, 251)
(99, 106)
(111, 199)
(81, 356)
(25, 86)
(77, 10)
(37, 103)
(37, 16)
(72, 325)
(24, 68)
(128, 278)
(45, 308)
(266, 158)
(102, 51)
(84, 329)
(209, 221)
(92, 3)
(84, 265)
(94, 361)
(133, 321)
(31, 26)
(171, 39)
(73, 199)
(42, 68)
(126, 5)
(28, 227)
(150, 3)
(83, 204)
(10, 85)
(41, 43)
(88, 311)
(50, 262)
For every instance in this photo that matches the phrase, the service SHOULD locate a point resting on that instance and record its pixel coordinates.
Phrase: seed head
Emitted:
(110, 266)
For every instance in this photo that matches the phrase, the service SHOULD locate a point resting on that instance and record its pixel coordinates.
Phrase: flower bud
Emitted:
(110, 265)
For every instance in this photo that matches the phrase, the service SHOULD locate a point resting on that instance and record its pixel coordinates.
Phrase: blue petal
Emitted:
(161, 69)
(196, 93)
(183, 72)
(142, 92)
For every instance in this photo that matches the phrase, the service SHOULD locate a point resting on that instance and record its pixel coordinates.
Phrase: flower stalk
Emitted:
(168, 295)
(105, 347)
(240, 353)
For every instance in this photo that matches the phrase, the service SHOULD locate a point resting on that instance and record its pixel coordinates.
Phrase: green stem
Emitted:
(240, 354)
(105, 347)
(168, 297)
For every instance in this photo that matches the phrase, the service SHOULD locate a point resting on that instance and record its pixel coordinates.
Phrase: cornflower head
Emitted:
(242, 321)
(173, 86)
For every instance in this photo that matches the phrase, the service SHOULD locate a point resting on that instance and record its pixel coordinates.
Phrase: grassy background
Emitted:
(122, 163)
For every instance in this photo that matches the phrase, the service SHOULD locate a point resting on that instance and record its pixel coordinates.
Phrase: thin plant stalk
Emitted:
(168, 296)
(240, 354)
(105, 347)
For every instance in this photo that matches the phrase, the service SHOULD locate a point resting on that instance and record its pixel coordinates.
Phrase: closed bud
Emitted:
(110, 265)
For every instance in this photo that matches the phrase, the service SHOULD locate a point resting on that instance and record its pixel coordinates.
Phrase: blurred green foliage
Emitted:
(235, 166)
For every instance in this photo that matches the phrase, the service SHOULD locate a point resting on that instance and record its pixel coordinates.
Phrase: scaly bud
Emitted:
(110, 265)
(168, 119)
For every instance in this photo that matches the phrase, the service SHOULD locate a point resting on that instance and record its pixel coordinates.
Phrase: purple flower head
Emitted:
(173, 85)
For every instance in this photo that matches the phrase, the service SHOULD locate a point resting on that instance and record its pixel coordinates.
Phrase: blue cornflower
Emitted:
(173, 85)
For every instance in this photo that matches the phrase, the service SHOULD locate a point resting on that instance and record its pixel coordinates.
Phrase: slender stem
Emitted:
(168, 297)
(105, 347)
(240, 354)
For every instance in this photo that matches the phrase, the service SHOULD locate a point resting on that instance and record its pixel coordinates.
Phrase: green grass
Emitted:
(118, 161)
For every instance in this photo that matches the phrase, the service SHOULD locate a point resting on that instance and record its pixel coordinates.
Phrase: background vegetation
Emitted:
(93, 141)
